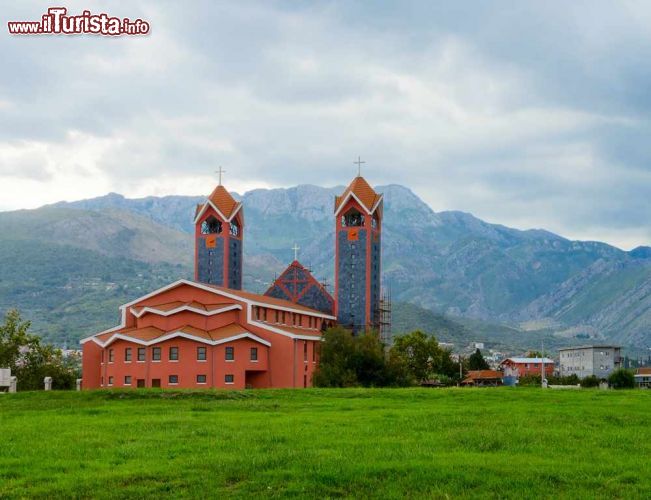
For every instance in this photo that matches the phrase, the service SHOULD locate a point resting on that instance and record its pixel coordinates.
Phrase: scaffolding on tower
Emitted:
(385, 317)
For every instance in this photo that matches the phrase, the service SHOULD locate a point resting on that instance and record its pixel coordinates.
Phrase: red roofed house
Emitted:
(483, 378)
(210, 333)
(529, 366)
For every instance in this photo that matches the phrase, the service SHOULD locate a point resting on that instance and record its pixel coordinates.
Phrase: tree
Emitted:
(423, 357)
(590, 381)
(477, 362)
(622, 379)
(534, 354)
(31, 361)
(349, 361)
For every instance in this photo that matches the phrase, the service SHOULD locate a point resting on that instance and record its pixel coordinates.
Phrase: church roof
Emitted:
(298, 285)
(364, 193)
(222, 201)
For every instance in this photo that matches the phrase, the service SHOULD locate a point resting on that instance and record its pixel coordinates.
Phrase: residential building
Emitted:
(585, 361)
(529, 366)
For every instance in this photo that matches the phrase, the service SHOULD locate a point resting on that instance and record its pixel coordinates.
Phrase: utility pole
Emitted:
(542, 364)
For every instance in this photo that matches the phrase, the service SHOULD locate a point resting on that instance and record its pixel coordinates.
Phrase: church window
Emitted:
(375, 222)
(127, 380)
(254, 353)
(235, 228)
(230, 353)
(110, 355)
(352, 218)
(173, 379)
(201, 379)
(211, 226)
(141, 353)
(127, 354)
(201, 354)
(155, 354)
(174, 353)
(110, 380)
(229, 378)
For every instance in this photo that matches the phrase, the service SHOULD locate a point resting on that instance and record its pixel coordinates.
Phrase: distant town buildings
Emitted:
(584, 361)
(643, 378)
(529, 366)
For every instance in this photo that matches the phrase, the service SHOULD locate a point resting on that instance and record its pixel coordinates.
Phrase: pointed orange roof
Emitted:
(223, 200)
(362, 190)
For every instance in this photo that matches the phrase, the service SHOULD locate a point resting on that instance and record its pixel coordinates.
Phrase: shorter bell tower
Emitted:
(218, 236)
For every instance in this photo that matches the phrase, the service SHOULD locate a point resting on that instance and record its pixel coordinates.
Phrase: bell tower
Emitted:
(218, 236)
(358, 230)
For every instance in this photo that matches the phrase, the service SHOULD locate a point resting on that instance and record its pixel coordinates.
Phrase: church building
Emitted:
(210, 333)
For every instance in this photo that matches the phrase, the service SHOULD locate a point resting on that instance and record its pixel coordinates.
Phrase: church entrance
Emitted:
(155, 382)
(140, 383)
(256, 380)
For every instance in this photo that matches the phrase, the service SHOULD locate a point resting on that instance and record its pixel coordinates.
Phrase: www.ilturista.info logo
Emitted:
(56, 22)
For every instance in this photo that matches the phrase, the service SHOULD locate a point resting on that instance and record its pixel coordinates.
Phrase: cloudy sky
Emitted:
(529, 114)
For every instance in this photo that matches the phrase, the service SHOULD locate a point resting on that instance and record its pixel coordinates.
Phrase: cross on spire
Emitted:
(296, 248)
(220, 171)
(359, 165)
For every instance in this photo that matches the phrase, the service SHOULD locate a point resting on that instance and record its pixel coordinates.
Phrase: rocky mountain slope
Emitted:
(448, 262)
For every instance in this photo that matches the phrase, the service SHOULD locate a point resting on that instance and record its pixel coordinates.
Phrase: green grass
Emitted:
(486, 443)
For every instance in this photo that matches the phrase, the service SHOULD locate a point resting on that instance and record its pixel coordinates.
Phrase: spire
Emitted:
(364, 193)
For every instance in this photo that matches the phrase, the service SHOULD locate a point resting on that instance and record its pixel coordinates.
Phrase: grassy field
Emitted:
(477, 443)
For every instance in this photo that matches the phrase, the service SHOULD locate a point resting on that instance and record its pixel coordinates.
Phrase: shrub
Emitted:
(590, 381)
(622, 379)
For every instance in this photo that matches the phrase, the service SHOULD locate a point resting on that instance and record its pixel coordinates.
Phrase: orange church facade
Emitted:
(209, 333)
(194, 335)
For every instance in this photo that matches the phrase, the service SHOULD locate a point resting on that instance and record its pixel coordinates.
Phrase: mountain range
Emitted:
(448, 272)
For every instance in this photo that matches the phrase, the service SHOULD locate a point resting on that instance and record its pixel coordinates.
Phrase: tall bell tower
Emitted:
(218, 236)
(358, 229)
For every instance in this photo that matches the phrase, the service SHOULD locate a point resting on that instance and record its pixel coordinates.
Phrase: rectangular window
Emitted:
(173, 379)
(230, 353)
(141, 353)
(110, 380)
(127, 354)
(127, 380)
(174, 353)
(254, 353)
(110, 355)
(102, 360)
(201, 379)
(155, 353)
(201, 354)
(277, 316)
(229, 379)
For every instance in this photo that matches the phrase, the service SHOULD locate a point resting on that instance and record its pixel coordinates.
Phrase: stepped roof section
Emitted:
(297, 285)
(222, 202)
(220, 300)
(361, 191)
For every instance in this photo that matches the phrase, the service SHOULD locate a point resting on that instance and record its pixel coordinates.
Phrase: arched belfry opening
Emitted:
(211, 225)
(352, 218)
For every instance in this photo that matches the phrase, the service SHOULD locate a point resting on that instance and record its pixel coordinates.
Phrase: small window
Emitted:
(254, 353)
(127, 354)
(110, 355)
(201, 354)
(155, 354)
(201, 379)
(173, 379)
(127, 380)
(141, 353)
(235, 228)
(174, 353)
(230, 353)
(229, 378)
(110, 381)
